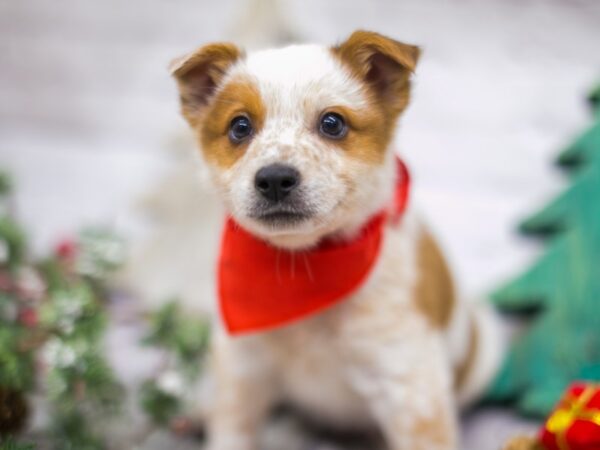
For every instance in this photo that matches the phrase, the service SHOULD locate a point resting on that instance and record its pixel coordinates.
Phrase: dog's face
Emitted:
(297, 139)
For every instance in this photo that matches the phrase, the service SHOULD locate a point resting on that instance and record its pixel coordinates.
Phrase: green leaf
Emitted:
(16, 366)
(163, 326)
(5, 184)
(186, 338)
(160, 406)
(71, 431)
(11, 444)
(100, 253)
(13, 237)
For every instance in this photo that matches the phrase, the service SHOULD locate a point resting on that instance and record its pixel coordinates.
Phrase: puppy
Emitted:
(401, 352)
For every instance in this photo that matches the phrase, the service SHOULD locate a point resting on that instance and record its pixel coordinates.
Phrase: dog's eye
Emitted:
(239, 129)
(333, 126)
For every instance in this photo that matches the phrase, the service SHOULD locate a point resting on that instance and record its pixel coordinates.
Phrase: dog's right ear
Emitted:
(383, 63)
(199, 73)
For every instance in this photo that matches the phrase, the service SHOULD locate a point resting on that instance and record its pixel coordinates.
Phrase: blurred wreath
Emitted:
(53, 319)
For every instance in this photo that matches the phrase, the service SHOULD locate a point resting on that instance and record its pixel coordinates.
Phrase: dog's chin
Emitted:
(279, 221)
(289, 229)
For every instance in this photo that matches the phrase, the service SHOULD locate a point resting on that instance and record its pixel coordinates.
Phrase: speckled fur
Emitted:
(375, 359)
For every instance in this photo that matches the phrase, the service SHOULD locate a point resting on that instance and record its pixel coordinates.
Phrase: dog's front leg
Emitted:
(406, 382)
(244, 393)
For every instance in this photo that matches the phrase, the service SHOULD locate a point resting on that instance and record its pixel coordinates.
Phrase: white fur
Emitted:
(491, 340)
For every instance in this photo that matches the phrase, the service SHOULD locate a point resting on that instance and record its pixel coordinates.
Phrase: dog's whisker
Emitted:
(293, 265)
(277, 268)
(307, 266)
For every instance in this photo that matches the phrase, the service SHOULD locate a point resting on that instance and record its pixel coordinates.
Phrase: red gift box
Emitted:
(575, 422)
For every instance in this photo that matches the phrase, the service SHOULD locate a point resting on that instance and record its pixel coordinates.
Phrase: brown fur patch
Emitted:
(234, 99)
(462, 371)
(435, 290)
(435, 297)
(369, 133)
(439, 429)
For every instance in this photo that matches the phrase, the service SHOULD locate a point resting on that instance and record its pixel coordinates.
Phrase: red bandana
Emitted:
(263, 287)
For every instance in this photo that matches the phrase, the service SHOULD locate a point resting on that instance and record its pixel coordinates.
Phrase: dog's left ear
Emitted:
(383, 63)
(199, 74)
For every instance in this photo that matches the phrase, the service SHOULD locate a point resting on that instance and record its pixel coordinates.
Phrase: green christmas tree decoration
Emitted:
(560, 294)
(594, 99)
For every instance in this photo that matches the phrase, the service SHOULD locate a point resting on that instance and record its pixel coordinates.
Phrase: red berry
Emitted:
(66, 249)
(28, 317)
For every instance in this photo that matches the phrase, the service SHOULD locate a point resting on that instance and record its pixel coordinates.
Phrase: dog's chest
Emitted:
(315, 360)
(313, 372)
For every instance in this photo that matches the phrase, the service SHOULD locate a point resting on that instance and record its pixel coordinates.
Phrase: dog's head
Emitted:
(297, 139)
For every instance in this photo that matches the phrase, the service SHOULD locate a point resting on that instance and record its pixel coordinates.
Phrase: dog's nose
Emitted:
(276, 181)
